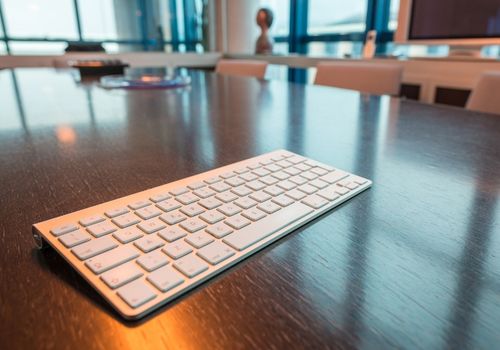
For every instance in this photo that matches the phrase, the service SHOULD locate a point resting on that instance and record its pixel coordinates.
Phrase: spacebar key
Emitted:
(251, 234)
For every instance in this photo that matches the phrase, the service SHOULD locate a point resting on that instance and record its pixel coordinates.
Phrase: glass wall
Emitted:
(45, 27)
(336, 16)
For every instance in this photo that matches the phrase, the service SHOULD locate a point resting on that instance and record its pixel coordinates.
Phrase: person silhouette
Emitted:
(264, 44)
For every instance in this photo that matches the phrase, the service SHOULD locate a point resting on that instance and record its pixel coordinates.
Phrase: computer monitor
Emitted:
(458, 23)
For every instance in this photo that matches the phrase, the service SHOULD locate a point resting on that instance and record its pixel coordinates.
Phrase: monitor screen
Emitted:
(445, 19)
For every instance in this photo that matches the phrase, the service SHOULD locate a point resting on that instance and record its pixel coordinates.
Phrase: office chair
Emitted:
(244, 68)
(485, 96)
(372, 78)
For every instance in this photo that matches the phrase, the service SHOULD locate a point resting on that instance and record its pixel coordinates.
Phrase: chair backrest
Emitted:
(485, 96)
(245, 68)
(372, 78)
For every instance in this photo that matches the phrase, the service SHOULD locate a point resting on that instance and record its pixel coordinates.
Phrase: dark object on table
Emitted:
(84, 47)
(99, 67)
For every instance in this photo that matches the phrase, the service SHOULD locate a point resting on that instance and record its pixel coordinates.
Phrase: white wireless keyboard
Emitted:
(143, 250)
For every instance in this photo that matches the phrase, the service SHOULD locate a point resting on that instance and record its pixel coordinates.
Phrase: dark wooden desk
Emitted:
(412, 263)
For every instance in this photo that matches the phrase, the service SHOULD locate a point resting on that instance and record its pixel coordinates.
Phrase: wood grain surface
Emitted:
(412, 263)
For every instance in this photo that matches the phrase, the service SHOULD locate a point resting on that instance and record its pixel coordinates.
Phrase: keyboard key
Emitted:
(237, 222)
(192, 210)
(219, 230)
(235, 181)
(283, 200)
(173, 218)
(273, 190)
(241, 171)
(177, 249)
(229, 209)
(94, 247)
(295, 194)
(358, 180)
(112, 258)
(210, 203)
(60, 230)
(149, 243)
(220, 187)
(255, 185)
(292, 171)
(254, 166)
(318, 183)
(193, 225)
(249, 177)
(296, 159)
(153, 260)
(90, 220)
(204, 192)
(272, 167)
(265, 227)
(309, 175)
(280, 175)
(260, 196)
(187, 198)
(196, 185)
(334, 176)
(341, 190)
(136, 293)
(178, 191)
(116, 211)
(319, 171)
(266, 162)
(165, 278)
(126, 220)
(261, 172)
(241, 191)
(101, 229)
(151, 225)
(74, 238)
(269, 207)
(253, 214)
(299, 180)
(284, 163)
(212, 216)
(191, 265)
(315, 201)
(302, 167)
(168, 205)
(128, 234)
(160, 197)
(245, 202)
(121, 275)
(308, 189)
(286, 185)
(212, 180)
(139, 204)
(148, 212)
(269, 180)
(199, 239)
(226, 197)
(328, 193)
(172, 233)
(215, 252)
(348, 184)
(227, 175)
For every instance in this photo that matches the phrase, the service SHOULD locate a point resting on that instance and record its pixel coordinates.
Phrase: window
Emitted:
(36, 47)
(97, 19)
(335, 48)
(281, 12)
(40, 19)
(336, 16)
(393, 15)
(3, 48)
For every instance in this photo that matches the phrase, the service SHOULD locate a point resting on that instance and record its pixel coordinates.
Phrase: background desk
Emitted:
(414, 262)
